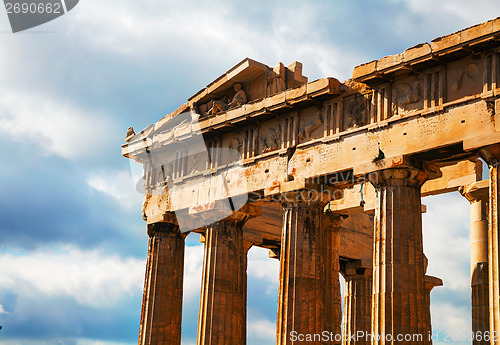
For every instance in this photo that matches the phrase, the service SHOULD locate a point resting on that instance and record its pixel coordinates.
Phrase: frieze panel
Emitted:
(311, 124)
(464, 78)
(407, 96)
(356, 111)
(270, 136)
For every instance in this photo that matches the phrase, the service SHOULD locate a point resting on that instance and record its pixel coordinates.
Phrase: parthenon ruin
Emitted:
(329, 177)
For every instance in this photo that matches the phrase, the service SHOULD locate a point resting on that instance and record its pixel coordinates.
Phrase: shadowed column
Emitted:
(430, 283)
(222, 317)
(162, 300)
(399, 296)
(491, 155)
(309, 295)
(478, 194)
(357, 304)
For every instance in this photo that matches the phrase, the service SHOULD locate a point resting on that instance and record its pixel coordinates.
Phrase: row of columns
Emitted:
(390, 301)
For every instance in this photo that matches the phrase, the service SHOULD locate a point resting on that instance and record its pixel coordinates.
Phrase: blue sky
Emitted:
(72, 240)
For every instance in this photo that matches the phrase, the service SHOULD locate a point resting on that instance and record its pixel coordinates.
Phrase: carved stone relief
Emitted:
(356, 112)
(464, 78)
(311, 127)
(236, 147)
(270, 139)
(407, 96)
(196, 163)
(276, 80)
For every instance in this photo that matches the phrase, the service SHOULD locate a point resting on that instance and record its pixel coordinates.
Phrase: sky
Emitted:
(73, 243)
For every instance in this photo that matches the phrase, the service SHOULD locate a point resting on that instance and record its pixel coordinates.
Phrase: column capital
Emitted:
(243, 214)
(431, 282)
(477, 191)
(333, 220)
(403, 176)
(163, 229)
(491, 154)
(356, 269)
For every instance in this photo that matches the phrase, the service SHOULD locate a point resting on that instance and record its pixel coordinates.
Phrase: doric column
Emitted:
(430, 283)
(357, 304)
(309, 299)
(162, 300)
(223, 299)
(491, 155)
(477, 194)
(398, 301)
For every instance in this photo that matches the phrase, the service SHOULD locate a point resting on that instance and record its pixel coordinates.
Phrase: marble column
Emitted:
(478, 195)
(309, 301)
(491, 155)
(430, 283)
(357, 306)
(223, 299)
(399, 310)
(162, 300)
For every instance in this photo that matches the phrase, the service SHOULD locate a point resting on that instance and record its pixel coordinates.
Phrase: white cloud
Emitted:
(53, 126)
(260, 266)
(97, 342)
(119, 184)
(92, 277)
(62, 341)
(2, 310)
(472, 13)
(193, 266)
(446, 240)
(262, 330)
(451, 319)
(446, 245)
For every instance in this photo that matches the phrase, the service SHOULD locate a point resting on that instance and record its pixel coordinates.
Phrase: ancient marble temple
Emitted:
(329, 177)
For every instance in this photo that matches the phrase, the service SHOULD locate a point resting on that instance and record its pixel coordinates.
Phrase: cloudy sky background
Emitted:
(72, 241)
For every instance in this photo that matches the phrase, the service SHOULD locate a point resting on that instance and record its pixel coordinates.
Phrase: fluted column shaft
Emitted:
(309, 295)
(479, 270)
(494, 250)
(222, 318)
(398, 303)
(430, 283)
(477, 194)
(162, 300)
(357, 308)
(491, 155)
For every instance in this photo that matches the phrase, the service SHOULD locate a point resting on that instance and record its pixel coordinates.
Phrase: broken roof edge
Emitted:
(230, 74)
(426, 51)
(226, 77)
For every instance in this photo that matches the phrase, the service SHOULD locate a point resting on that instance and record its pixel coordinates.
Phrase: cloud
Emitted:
(2, 310)
(451, 322)
(446, 245)
(69, 341)
(91, 277)
(262, 330)
(193, 267)
(52, 126)
(120, 185)
(261, 267)
(446, 240)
